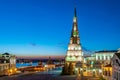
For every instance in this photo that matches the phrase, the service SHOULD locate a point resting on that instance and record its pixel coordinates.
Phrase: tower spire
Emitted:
(75, 25)
(75, 12)
(74, 53)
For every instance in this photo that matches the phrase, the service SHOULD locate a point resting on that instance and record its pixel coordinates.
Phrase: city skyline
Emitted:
(43, 27)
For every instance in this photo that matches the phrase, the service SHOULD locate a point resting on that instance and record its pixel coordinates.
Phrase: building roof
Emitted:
(106, 51)
(6, 53)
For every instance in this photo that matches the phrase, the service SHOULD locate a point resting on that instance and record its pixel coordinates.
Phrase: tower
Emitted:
(74, 52)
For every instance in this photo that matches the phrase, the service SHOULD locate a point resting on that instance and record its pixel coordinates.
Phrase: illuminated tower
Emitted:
(74, 52)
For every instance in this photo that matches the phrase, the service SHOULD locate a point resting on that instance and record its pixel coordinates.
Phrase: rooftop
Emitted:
(6, 53)
(106, 51)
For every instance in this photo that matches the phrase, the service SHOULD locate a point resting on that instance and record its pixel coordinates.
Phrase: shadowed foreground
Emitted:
(37, 76)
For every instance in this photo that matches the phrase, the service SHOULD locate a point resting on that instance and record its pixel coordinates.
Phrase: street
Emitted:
(47, 75)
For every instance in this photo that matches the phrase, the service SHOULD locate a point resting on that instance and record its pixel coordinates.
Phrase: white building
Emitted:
(104, 56)
(7, 64)
(116, 66)
(100, 60)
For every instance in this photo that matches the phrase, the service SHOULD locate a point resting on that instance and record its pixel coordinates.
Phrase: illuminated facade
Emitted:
(100, 61)
(7, 64)
(105, 56)
(74, 52)
(107, 72)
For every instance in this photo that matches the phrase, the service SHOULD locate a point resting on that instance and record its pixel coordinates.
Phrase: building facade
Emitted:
(107, 72)
(7, 64)
(100, 62)
(104, 56)
(116, 66)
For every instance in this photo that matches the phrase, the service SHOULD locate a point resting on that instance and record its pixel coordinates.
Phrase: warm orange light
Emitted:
(10, 70)
(15, 69)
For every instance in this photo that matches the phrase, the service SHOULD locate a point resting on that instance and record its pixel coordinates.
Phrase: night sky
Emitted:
(43, 27)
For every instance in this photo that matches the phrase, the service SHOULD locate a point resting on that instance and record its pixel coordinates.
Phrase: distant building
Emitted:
(116, 66)
(7, 64)
(49, 64)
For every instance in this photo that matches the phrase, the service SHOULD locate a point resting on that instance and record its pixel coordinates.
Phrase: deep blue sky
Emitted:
(43, 27)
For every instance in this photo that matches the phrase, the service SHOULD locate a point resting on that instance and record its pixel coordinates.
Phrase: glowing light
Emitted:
(46, 65)
(10, 70)
(100, 71)
(79, 48)
(68, 48)
(68, 54)
(15, 69)
(74, 20)
(76, 54)
(72, 54)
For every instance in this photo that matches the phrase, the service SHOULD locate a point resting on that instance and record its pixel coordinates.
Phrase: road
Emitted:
(86, 78)
(48, 75)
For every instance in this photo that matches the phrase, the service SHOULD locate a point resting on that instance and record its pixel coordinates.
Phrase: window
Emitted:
(102, 57)
(98, 57)
(106, 58)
